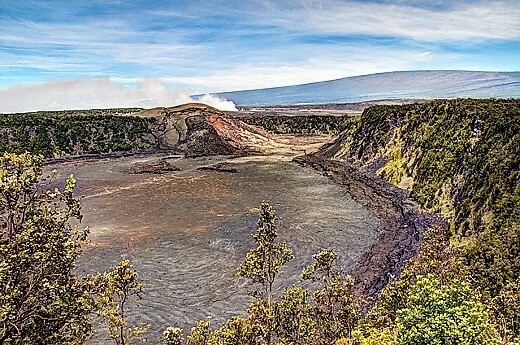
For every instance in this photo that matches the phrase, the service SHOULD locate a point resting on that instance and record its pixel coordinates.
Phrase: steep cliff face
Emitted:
(459, 158)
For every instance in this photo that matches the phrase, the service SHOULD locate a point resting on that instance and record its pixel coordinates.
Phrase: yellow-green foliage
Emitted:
(386, 336)
(395, 169)
(263, 262)
(294, 323)
(442, 314)
(119, 287)
(460, 158)
(172, 336)
(298, 316)
(465, 151)
(201, 333)
(42, 300)
(236, 331)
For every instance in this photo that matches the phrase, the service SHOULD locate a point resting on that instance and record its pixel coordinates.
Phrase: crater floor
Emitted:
(187, 231)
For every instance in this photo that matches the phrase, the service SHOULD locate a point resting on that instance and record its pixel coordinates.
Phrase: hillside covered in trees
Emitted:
(62, 133)
(301, 124)
(459, 158)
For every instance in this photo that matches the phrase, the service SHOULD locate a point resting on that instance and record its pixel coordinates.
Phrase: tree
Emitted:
(336, 309)
(172, 336)
(42, 300)
(120, 287)
(440, 314)
(201, 333)
(293, 317)
(261, 319)
(236, 331)
(322, 268)
(505, 310)
(387, 336)
(262, 264)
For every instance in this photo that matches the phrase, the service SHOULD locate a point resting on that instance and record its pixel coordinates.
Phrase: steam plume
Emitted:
(98, 93)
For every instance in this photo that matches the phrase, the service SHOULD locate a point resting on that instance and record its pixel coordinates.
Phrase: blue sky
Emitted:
(210, 46)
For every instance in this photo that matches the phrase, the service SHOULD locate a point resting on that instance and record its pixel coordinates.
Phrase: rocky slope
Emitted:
(400, 229)
(196, 129)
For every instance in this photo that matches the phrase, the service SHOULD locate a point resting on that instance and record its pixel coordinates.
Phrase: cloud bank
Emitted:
(99, 93)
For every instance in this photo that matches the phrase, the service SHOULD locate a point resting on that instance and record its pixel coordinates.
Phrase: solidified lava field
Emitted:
(186, 231)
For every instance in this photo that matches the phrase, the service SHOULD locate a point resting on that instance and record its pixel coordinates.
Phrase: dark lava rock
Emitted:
(152, 167)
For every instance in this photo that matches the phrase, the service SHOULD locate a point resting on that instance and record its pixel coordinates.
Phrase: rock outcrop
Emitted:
(196, 129)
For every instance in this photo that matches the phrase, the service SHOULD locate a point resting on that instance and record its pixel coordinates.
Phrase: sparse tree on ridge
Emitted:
(121, 286)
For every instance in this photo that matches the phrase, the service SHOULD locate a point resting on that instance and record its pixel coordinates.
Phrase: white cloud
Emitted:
(97, 93)
(487, 20)
(425, 54)
(254, 77)
(94, 45)
(263, 43)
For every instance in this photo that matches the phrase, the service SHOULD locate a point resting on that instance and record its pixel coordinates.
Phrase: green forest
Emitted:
(300, 124)
(459, 158)
(64, 133)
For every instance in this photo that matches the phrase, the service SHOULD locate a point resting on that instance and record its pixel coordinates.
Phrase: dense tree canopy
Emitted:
(301, 124)
(42, 300)
(53, 134)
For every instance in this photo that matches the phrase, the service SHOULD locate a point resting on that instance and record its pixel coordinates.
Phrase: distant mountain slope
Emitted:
(392, 85)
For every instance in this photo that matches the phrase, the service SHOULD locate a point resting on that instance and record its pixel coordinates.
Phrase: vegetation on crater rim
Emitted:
(301, 124)
(459, 158)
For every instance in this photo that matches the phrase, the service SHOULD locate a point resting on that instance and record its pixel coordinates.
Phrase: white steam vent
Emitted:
(216, 102)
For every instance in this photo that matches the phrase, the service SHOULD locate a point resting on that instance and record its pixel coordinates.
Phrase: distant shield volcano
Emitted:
(392, 85)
